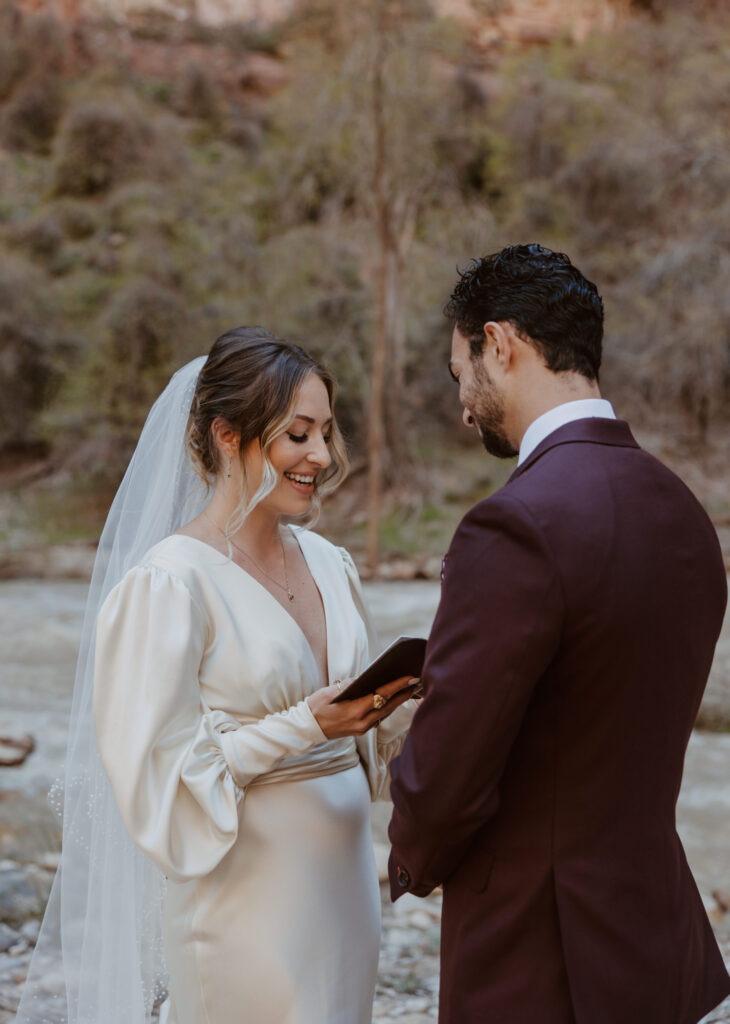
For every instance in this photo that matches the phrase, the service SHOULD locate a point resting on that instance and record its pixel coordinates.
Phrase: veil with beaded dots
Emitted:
(99, 957)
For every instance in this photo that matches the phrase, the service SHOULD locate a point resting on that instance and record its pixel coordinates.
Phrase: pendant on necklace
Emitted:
(290, 595)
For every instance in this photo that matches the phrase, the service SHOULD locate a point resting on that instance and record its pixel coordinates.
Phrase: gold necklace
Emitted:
(287, 589)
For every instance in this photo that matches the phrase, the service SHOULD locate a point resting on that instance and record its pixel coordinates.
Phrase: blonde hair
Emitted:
(251, 379)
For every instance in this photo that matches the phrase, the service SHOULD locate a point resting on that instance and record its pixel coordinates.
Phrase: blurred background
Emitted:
(172, 168)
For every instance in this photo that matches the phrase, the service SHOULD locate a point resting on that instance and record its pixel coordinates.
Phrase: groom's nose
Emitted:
(468, 418)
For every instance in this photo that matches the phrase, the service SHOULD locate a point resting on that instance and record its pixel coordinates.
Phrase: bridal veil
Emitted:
(99, 957)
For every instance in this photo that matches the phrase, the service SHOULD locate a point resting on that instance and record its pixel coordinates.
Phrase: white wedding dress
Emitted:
(226, 781)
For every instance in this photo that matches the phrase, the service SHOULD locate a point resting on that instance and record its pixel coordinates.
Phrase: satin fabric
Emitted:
(225, 780)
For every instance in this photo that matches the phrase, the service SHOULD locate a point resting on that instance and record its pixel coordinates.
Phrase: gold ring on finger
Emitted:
(379, 701)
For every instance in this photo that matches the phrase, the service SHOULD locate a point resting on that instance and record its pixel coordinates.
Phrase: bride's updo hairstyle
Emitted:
(251, 379)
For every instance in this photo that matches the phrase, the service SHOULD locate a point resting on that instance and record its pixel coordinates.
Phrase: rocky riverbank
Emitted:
(39, 627)
(408, 978)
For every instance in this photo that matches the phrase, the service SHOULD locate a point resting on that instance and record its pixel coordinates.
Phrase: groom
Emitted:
(579, 614)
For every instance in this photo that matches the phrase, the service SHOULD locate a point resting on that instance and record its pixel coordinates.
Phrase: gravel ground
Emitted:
(407, 990)
(39, 625)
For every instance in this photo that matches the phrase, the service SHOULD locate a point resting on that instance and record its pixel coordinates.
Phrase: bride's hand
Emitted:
(355, 717)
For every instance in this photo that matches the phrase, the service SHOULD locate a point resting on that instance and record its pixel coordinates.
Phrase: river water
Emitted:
(40, 623)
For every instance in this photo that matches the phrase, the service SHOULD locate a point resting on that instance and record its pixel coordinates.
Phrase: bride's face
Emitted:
(298, 455)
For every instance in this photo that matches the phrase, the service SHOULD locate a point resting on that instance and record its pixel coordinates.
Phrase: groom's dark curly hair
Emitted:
(548, 301)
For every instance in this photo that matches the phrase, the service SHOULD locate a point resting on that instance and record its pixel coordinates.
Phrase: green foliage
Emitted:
(13, 65)
(240, 37)
(28, 374)
(46, 41)
(142, 217)
(310, 281)
(620, 161)
(77, 220)
(64, 510)
(142, 335)
(245, 37)
(32, 47)
(100, 144)
(143, 208)
(42, 238)
(14, 58)
(198, 95)
(26, 381)
(328, 169)
(32, 115)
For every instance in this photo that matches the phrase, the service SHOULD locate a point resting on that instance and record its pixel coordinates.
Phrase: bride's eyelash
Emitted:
(301, 438)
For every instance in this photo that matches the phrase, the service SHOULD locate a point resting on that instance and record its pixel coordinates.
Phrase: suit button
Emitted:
(402, 877)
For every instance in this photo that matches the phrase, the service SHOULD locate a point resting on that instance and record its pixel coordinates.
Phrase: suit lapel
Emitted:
(616, 433)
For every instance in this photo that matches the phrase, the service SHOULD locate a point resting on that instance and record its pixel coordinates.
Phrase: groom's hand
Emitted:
(355, 717)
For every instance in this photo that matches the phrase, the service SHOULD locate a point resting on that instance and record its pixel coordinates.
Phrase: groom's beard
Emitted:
(487, 411)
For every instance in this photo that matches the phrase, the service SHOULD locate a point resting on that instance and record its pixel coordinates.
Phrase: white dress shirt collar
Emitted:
(582, 409)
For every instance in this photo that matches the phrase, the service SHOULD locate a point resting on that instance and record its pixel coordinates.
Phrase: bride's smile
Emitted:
(299, 454)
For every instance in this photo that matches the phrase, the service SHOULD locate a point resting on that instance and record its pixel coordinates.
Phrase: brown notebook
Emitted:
(404, 657)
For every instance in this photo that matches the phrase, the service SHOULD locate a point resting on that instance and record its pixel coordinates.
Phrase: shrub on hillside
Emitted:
(13, 65)
(245, 133)
(76, 219)
(46, 42)
(32, 115)
(24, 291)
(142, 208)
(614, 186)
(198, 95)
(42, 239)
(142, 339)
(684, 283)
(27, 379)
(99, 145)
(245, 37)
(11, 19)
(142, 324)
(32, 45)
(621, 161)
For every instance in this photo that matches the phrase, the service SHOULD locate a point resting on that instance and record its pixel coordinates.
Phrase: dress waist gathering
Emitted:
(328, 758)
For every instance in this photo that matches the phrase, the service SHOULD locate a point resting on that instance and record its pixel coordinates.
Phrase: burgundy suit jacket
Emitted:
(580, 609)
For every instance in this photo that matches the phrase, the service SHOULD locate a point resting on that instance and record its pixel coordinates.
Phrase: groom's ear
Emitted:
(498, 352)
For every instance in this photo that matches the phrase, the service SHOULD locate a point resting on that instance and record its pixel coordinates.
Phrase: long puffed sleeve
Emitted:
(378, 746)
(177, 769)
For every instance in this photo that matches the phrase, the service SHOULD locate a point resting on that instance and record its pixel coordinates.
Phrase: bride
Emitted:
(217, 856)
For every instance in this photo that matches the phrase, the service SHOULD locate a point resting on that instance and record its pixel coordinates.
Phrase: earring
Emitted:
(229, 467)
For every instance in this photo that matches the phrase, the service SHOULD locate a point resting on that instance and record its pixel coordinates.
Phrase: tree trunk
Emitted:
(402, 243)
(376, 431)
(393, 396)
(400, 237)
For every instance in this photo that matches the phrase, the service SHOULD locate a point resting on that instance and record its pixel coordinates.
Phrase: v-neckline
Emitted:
(278, 604)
